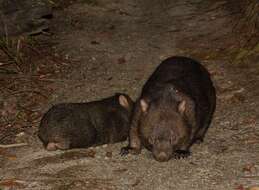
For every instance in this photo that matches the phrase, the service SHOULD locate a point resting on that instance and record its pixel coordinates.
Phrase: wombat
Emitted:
(81, 125)
(174, 110)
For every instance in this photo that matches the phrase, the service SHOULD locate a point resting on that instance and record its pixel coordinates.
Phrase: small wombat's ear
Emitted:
(123, 101)
(151, 140)
(144, 105)
(181, 107)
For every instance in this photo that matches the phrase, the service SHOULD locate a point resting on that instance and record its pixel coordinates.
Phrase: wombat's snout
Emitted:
(162, 156)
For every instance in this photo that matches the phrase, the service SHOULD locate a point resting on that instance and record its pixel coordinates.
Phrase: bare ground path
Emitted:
(116, 46)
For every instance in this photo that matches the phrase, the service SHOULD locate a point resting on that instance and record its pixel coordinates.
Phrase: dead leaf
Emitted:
(249, 168)
(240, 187)
(252, 140)
(108, 154)
(250, 120)
(12, 157)
(10, 183)
(90, 153)
(121, 60)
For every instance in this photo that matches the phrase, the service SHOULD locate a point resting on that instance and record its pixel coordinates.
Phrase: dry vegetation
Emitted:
(246, 29)
(250, 12)
(27, 69)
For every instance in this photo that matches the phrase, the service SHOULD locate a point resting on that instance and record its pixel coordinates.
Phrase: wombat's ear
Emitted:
(151, 140)
(181, 107)
(123, 101)
(144, 105)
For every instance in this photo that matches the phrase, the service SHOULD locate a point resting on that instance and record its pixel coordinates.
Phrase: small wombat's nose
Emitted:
(162, 157)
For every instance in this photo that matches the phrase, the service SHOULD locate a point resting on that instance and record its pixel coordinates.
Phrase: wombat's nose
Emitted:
(162, 157)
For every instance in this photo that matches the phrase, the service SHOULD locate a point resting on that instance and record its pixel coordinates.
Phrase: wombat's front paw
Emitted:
(178, 154)
(128, 150)
(199, 140)
(124, 151)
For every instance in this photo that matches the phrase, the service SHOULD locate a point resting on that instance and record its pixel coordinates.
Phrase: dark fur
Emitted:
(77, 125)
(180, 100)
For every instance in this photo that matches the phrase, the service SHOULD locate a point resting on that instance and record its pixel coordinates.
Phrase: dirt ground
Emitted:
(115, 46)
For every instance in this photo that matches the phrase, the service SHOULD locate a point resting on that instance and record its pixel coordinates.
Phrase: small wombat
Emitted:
(174, 110)
(78, 125)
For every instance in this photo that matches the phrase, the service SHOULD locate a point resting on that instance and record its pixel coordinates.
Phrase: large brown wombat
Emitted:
(78, 125)
(174, 110)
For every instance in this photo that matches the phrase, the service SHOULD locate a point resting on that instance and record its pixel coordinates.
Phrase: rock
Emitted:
(24, 17)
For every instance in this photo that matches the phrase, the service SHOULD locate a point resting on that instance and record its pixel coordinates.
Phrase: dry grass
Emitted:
(245, 32)
(251, 14)
(11, 48)
(26, 65)
(247, 21)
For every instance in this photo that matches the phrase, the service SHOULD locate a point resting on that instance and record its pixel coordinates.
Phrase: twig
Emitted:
(29, 91)
(7, 72)
(7, 181)
(252, 177)
(13, 145)
(4, 46)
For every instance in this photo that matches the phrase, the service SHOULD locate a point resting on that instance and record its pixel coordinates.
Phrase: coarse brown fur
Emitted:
(174, 110)
(81, 125)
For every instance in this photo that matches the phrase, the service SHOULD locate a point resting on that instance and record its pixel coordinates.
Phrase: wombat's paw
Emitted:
(199, 140)
(51, 146)
(179, 154)
(124, 151)
(128, 150)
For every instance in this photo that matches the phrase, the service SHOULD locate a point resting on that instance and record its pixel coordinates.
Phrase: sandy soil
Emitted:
(115, 46)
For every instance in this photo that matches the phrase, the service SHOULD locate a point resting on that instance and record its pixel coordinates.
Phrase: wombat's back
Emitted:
(60, 125)
(186, 74)
(111, 118)
(76, 125)
(191, 79)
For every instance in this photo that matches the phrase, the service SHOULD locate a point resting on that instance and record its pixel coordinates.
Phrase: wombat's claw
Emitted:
(129, 150)
(199, 140)
(124, 151)
(178, 154)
